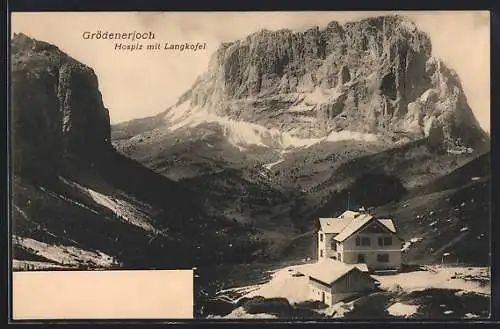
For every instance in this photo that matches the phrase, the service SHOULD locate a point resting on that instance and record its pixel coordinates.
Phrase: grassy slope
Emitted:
(439, 211)
(309, 182)
(45, 216)
(187, 153)
(59, 212)
(436, 212)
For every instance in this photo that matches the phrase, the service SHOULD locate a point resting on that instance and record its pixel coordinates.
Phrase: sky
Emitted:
(136, 84)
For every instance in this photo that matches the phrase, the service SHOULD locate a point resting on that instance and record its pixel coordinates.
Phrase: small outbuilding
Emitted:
(331, 281)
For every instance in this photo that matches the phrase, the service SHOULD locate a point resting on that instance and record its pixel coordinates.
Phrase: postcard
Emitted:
(250, 165)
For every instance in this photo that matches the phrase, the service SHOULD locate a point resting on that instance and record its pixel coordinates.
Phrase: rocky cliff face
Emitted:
(76, 201)
(64, 117)
(374, 77)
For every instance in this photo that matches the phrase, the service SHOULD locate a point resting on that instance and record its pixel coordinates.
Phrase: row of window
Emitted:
(363, 241)
(382, 258)
(366, 241)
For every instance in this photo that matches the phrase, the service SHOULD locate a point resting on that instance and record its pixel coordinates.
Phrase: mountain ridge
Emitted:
(373, 78)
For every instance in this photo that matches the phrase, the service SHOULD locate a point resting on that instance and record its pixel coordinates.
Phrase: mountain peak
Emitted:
(23, 42)
(66, 117)
(371, 76)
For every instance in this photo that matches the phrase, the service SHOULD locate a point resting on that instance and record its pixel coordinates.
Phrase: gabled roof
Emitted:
(353, 226)
(350, 222)
(337, 224)
(329, 271)
(333, 225)
(389, 224)
(360, 222)
(350, 214)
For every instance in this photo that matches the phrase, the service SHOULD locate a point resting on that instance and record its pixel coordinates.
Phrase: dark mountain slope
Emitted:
(367, 179)
(477, 170)
(190, 153)
(448, 216)
(79, 203)
(454, 224)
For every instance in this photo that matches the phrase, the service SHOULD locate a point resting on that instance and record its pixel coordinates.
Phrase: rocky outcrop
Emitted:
(57, 109)
(375, 76)
(72, 188)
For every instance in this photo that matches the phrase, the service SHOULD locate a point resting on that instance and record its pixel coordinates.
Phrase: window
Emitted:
(365, 241)
(321, 237)
(361, 258)
(383, 258)
(334, 245)
(385, 241)
(340, 257)
(321, 253)
(358, 241)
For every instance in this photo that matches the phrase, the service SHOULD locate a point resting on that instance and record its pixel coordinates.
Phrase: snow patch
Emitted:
(65, 255)
(179, 112)
(288, 141)
(122, 209)
(241, 133)
(428, 123)
(272, 164)
(407, 244)
(240, 313)
(32, 265)
(460, 150)
(435, 277)
(427, 95)
(240, 290)
(321, 96)
(400, 309)
(283, 284)
(301, 108)
(350, 135)
(471, 316)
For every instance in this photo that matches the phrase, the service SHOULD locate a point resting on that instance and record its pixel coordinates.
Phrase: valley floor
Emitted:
(427, 292)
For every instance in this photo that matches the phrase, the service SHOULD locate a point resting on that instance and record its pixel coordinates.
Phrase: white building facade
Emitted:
(359, 238)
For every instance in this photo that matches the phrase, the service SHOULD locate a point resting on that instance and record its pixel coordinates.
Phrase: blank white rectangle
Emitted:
(148, 294)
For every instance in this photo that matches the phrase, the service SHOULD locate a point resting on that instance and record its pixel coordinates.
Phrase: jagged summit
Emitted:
(374, 77)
